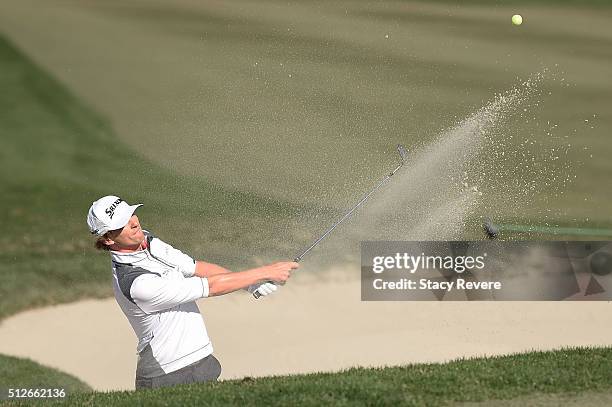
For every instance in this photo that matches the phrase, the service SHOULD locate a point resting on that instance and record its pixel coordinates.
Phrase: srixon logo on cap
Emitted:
(110, 211)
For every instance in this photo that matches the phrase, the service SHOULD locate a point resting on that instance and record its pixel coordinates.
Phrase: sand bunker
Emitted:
(309, 325)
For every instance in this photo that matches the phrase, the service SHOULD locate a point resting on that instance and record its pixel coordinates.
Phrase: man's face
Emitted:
(131, 234)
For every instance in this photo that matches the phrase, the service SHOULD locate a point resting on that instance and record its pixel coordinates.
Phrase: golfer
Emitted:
(156, 287)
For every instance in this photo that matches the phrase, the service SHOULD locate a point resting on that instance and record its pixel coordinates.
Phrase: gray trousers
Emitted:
(204, 370)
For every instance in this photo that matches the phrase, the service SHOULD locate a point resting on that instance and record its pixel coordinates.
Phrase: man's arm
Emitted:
(206, 270)
(152, 293)
(224, 283)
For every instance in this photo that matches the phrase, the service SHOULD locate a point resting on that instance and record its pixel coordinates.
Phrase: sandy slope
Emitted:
(310, 325)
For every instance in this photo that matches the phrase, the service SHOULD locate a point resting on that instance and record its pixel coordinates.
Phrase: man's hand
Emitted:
(279, 272)
(263, 288)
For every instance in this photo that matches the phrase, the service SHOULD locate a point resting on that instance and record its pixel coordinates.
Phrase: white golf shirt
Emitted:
(156, 290)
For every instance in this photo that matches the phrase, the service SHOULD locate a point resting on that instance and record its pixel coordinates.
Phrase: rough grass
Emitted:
(556, 372)
(579, 399)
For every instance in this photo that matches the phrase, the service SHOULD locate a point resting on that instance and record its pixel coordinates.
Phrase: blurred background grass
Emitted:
(304, 101)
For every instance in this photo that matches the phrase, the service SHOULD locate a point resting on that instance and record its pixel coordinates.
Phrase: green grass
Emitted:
(536, 373)
(581, 399)
(23, 373)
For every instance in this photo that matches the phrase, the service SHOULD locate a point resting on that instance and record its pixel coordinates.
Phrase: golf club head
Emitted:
(490, 229)
(402, 152)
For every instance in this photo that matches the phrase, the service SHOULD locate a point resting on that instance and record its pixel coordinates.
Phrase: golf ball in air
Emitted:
(517, 19)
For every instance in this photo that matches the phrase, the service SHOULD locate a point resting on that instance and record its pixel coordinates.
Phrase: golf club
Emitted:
(403, 156)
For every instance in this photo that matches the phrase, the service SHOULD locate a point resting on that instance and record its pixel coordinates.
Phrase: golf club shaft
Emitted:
(403, 154)
(335, 225)
(357, 205)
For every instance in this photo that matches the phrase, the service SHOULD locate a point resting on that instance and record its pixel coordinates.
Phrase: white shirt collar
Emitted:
(128, 258)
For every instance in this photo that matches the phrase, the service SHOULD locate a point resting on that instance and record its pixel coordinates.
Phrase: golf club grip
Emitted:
(256, 293)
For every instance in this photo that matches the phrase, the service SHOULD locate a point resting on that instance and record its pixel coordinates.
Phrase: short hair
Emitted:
(100, 245)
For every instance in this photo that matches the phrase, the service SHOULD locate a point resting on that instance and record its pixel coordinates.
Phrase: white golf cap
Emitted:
(109, 213)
